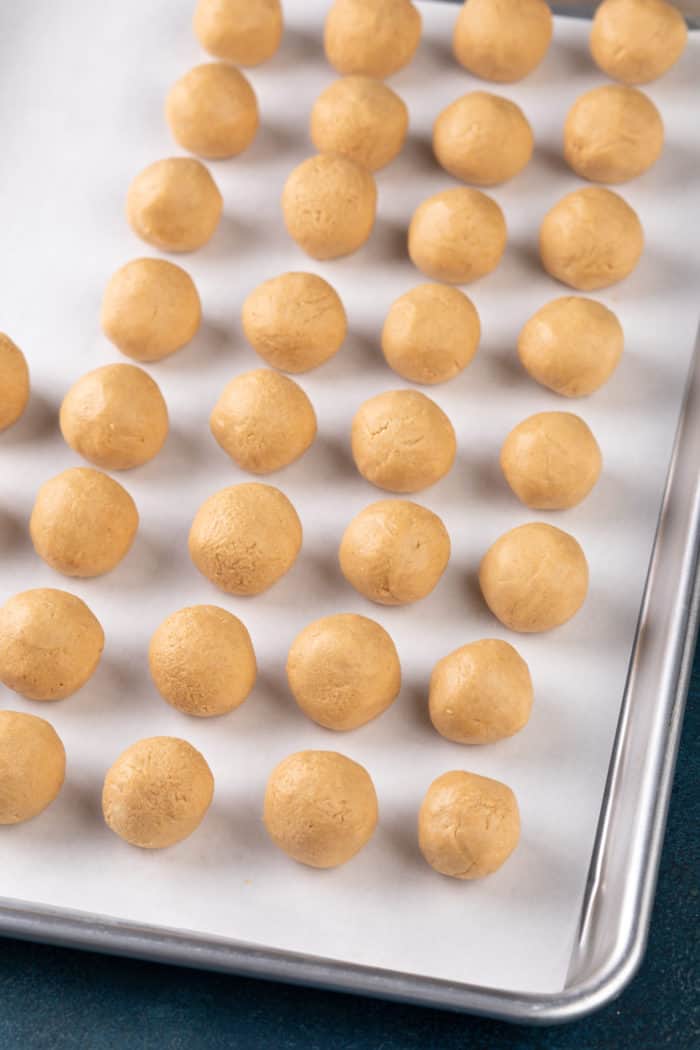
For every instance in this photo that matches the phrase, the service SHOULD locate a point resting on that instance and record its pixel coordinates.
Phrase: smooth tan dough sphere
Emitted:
(534, 578)
(245, 32)
(329, 205)
(468, 825)
(482, 138)
(637, 41)
(263, 421)
(612, 134)
(14, 382)
(83, 522)
(320, 808)
(174, 204)
(431, 333)
(296, 321)
(571, 345)
(245, 537)
(157, 792)
(394, 552)
(480, 693)
(202, 661)
(502, 40)
(373, 37)
(212, 111)
(402, 441)
(551, 460)
(360, 118)
(591, 239)
(32, 766)
(50, 644)
(457, 236)
(150, 309)
(115, 417)
(343, 671)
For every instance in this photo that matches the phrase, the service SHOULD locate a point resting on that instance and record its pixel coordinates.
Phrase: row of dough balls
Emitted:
(158, 792)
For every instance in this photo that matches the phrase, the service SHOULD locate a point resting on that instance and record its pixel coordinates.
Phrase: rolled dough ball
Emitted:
(480, 693)
(394, 552)
(115, 417)
(213, 111)
(591, 239)
(502, 40)
(468, 825)
(32, 766)
(551, 460)
(360, 118)
(534, 578)
(14, 382)
(320, 808)
(83, 522)
(263, 420)
(150, 309)
(457, 236)
(174, 204)
(245, 32)
(50, 644)
(202, 661)
(343, 671)
(571, 345)
(157, 792)
(374, 37)
(483, 138)
(329, 205)
(612, 134)
(295, 321)
(431, 333)
(402, 441)
(245, 537)
(636, 41)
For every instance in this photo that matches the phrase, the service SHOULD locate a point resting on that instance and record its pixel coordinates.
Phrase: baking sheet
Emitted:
(81, 96)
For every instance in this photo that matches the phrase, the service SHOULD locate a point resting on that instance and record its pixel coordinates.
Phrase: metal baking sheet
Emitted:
(549, 935)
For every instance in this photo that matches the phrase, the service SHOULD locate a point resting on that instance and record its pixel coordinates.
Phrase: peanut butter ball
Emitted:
(329, 205)
(150, 309)
(551, 460)
(468, 825)
(394, 552)
(374, 37)
(83, 522)
(174, 204)
(457, 236)
(244, 538)
(571, 345)
(431, 333)
(115, 417)
(360, 118)
(480, 693)
(32, 766)
(612, 134)
(263, 420)
(343, 671)
(50, 644)
(202, 661)
(320, 808)
(157, 792)
(245, 32)
(482, 138)
(296, 321)
(534, 578)
(402, 441)
(502, 40)
(14, 382)
(212, 111)
(591, 239)
(637, 41)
